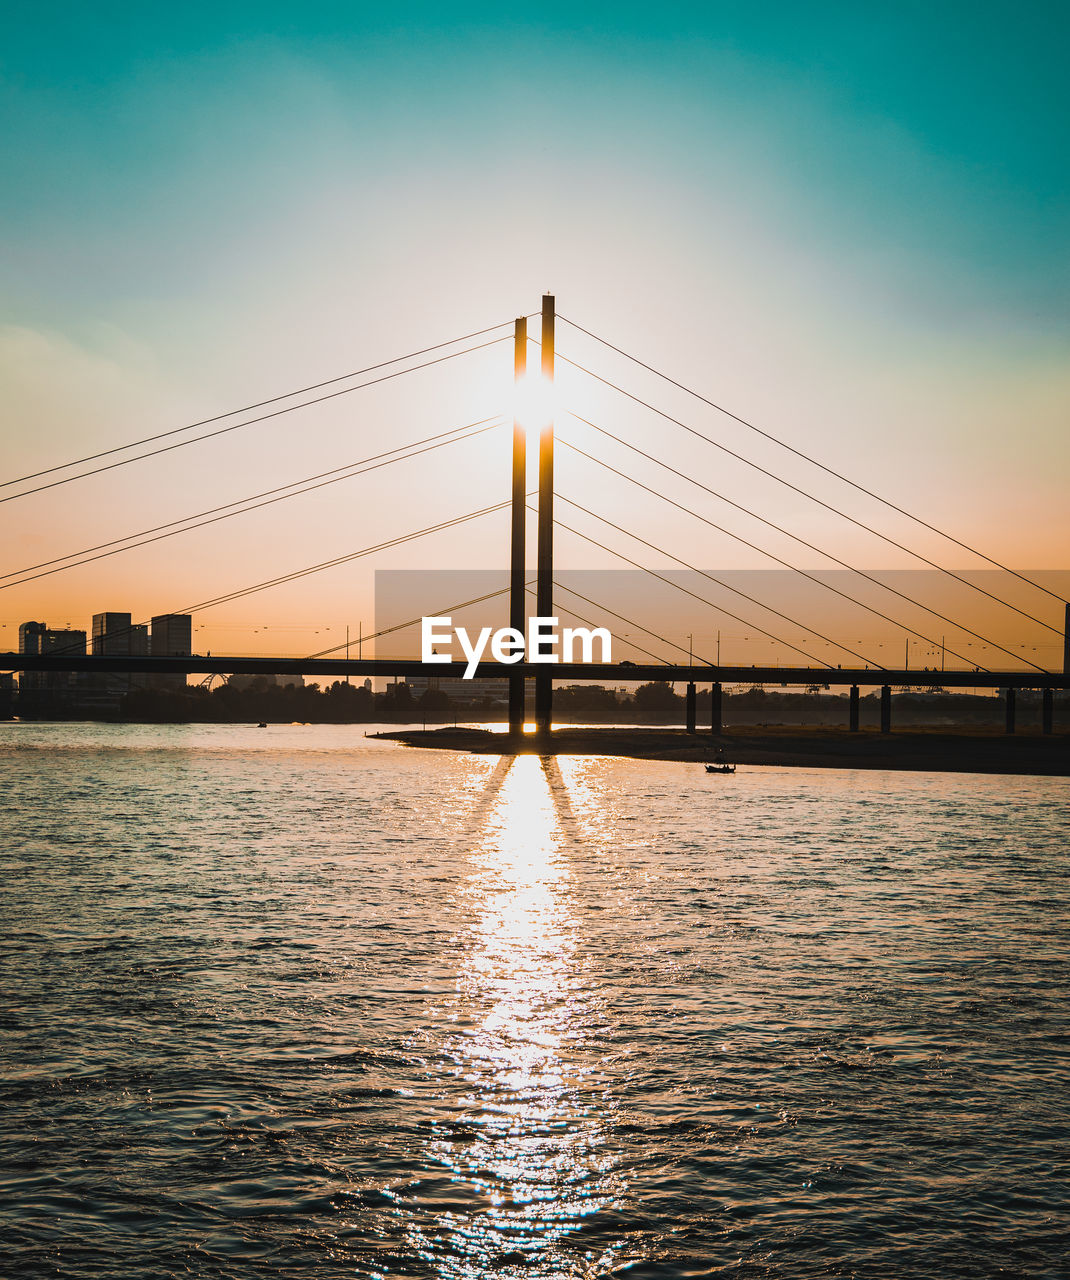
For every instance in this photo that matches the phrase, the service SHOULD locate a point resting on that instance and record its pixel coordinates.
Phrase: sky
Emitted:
(847, 224)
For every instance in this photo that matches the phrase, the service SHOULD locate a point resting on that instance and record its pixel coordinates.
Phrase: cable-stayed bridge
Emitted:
(646, 474)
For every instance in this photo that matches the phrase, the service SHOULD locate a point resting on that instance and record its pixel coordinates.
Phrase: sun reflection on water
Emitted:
(525, 1145)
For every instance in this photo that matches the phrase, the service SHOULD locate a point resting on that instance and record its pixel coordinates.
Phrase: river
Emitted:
(293, 1002)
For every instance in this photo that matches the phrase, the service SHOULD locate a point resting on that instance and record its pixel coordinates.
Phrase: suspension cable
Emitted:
(311, 569)
(795, 569)
(702, 573)
(631, 623)
(401, 626)
(209, 435)
(813, 461)
(491, 595)
(591, 622)
(779, 528)
(259, 404)
(679, 587)
(803, 493)
(245, 505)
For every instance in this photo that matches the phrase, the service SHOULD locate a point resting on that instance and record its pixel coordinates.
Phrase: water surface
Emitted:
(293, 1002)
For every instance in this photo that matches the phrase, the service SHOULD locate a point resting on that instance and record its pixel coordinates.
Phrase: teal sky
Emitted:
(850, 221)
(942, 129)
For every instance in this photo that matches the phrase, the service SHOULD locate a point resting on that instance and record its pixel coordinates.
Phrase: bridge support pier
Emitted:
(1066, 641)
(716, 719)
(1010, 709)
(854, 708)
(1046, 712)
(544, 703)
(691, 706)
(886, 708)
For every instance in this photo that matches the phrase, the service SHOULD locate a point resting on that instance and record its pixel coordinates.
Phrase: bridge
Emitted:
(1024, 674)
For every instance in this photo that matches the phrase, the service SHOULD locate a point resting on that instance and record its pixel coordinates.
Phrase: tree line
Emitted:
(656, 702)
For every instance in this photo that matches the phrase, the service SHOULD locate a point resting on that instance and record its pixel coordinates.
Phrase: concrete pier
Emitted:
(716, 712)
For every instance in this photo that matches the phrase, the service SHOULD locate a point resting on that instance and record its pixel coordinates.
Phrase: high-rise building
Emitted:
(112, 635)
(172, 637)
(38, 637)
(139, 648)
(31, 635)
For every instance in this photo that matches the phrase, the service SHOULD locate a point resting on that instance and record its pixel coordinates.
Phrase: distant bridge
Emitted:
(691, 675)
(1029, 675)
(559, 672)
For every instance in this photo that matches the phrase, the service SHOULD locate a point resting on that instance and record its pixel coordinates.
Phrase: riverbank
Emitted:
(927, 751)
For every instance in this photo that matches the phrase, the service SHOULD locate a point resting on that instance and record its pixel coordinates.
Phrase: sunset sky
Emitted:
(848, 224)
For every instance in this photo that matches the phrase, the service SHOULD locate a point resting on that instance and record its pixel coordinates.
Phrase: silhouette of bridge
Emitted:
(1025, 674)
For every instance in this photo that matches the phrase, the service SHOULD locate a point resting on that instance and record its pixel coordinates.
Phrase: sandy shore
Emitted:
(929, 751)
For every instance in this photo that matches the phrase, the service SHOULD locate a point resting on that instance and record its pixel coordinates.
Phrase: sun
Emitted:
(533, 404)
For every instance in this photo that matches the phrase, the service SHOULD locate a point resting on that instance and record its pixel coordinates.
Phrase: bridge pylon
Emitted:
(517, 593)
(544, 586)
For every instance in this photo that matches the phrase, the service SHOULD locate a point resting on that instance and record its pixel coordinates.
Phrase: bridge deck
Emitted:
(565, 673)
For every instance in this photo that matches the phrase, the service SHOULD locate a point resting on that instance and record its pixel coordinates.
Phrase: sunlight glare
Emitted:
(533, 1153)
(534, 401)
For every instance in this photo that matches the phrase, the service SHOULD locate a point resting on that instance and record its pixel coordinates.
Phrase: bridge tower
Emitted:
(544, 586)
(517, 597)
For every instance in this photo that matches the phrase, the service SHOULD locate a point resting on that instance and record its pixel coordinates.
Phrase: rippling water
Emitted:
(291, 1002)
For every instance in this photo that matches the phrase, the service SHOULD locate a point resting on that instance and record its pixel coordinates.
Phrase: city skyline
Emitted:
(679, 622)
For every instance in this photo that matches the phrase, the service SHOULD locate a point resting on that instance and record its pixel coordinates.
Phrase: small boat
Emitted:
(720, 768)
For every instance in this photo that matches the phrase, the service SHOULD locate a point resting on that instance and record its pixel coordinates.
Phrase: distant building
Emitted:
(50, 692)
(7, 695)
(31, 637)
(37, 637)
(172, 637)
(114, 636)
(247, 681)
(460, 690)
(419, 685)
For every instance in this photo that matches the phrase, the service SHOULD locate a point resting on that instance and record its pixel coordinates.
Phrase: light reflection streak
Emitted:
(523, 1139)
